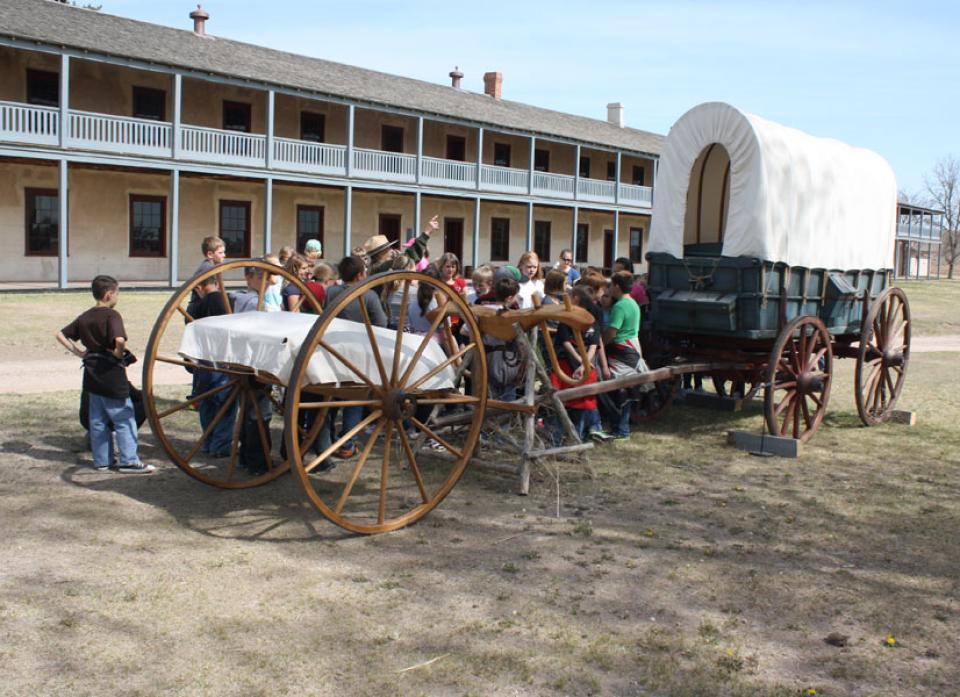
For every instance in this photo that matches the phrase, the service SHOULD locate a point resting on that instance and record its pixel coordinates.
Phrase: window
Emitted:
(499, 239)
(608, 250)
(453, 237)
(391, 138)
(501, 154)
(638, 175)
(312, 127)
(584, 166)
(235, 227)
(583, 242)
(389, 226)
(541, 160)
(149, 103)
(148, 226)
(236, 116)
(636, 245)
(611, 171)
(309, 225)
(456, 148)
(43, 88)
(43, 221)
(541, 239)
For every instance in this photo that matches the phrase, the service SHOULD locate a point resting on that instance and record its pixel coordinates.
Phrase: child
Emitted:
(247, 299)
(214, 252)
(272, 300)
(301, 267)
(100, 331)
(504, 359)
(482, 284)
(324, 276)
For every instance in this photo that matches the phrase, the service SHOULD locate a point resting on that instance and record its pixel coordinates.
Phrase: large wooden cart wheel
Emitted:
(798, 379)
(652, 404)
(417, 430)
(226, 394)
(883, 357)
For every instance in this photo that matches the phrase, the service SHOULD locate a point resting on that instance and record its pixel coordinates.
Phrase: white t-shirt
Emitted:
(527, 289)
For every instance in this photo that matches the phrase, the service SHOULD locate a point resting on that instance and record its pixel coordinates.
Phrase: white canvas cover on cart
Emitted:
(794, 198)
(269, 342)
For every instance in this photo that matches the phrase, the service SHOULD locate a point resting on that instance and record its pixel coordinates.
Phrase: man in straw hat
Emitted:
(380, 252)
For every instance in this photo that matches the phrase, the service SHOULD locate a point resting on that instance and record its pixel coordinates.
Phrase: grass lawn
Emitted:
(681, 567)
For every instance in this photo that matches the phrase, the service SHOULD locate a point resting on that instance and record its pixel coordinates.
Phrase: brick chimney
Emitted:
(615, 114)
(199, 17)
(493, 84)
(455, 77)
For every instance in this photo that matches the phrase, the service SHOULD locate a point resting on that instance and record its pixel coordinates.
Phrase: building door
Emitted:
(607, 250)
(390, 226)
(583, 243)
(391, 138)
(453, 237)
(541, 240)
(456, 148)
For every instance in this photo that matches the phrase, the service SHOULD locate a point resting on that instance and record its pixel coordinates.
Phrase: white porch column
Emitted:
(529, 227)
(417, 216)
(475, 248)
(479, 155)
(62, 238)
(64, 101)
(177, 111)
(576, 221)
(174, 254)
(653, 184)
(270, 118)
(533, 150)
(268, 215)
(349, 163)
(347, 217)
(419, 159)
(616, 234)
(616, 188)
(576, 178)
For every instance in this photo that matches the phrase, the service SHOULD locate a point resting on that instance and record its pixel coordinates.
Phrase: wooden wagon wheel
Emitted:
(652, 404)
(234, 392)
(883, 356)
(741, 385)
(417, 430)
(798, 379)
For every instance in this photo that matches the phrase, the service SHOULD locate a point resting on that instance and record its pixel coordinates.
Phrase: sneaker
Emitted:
(346, 452)
(136, 468)
(324, 467)
(600, 436)
(434, 445)
(621, 436)
(101, 468)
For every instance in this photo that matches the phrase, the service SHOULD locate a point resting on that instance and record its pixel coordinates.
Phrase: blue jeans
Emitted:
(119, 412)
(622, 426)
(220, 439)
(351, 417)
(586, 420)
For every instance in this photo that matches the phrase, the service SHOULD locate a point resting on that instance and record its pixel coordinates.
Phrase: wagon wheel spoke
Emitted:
(342, 439)
(368, 325)
(223, 294)
(221, 412)
(431, 434)
(355, 474)
(349, 365)
(791, 410)
(441, 366)
(384, 474)
(784, 403)
(788, 385)
(799, 401)
(235, 439)
(428, 337)
(261, 430)
(196, 399)
(412, 461)
(184, 313)
(342, 403)
(455, 399)
(398, 341)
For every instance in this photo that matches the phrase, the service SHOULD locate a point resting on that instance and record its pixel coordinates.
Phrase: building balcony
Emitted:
(104, 133)
(925, 232)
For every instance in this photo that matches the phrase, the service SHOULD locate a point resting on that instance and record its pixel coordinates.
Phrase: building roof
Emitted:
(72, 27)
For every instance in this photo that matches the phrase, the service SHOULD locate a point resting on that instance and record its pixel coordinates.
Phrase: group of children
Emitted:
(612, 347)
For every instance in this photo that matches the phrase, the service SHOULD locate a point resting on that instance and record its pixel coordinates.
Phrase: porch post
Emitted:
(616, 233)
(62, 238)
(576, 221)
(529, 245)
(476, 233)
(64, 101)
(533, 148)
(347, 217)
(653, 184)
(576, 178)
(419, 159)
(270, 118)
(174, 256)
(268, 215)
(616, 188)
(416, 215)
(177, 109)
(479, 157)
(349, 162)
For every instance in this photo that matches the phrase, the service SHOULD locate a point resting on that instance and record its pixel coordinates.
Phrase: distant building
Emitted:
(919, 233)
(123, 144)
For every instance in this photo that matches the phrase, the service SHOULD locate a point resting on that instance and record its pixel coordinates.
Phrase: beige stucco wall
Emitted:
(286, 198)
(435, 139)
(561, 156)
(203, 104)
(366, 129)
(287, 117)
(13, 67)
(519, 148)
(108, 89)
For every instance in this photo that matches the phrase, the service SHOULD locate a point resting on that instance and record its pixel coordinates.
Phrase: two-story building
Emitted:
(123, 144)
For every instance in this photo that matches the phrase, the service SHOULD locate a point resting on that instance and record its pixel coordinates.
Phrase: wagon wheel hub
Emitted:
(809, 382)
(398, 405)
(892, 357)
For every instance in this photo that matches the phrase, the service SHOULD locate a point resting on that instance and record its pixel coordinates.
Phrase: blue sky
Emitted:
(881, 75)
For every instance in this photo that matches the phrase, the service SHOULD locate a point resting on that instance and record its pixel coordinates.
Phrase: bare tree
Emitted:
(943, 188)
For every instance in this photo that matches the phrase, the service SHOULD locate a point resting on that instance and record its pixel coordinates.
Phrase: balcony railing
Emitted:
(311, 158)
(554, 185)
(925, 232)
(448, 172)
(504, 179)
(390, 166)
(120, 134)
(40, 125)
(222, 147)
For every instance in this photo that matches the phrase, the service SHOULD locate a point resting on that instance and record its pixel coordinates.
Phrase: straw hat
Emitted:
(377, 244)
